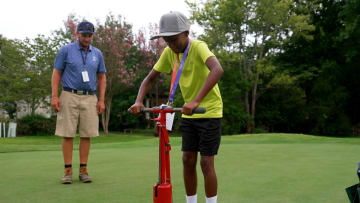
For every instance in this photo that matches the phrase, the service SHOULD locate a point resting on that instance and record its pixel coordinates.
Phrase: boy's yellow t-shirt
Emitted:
(194, 75)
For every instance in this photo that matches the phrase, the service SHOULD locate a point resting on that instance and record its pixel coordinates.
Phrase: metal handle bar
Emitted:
(169, 109)
(198, 110)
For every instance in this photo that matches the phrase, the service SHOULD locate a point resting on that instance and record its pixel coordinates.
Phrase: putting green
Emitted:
(250, 168)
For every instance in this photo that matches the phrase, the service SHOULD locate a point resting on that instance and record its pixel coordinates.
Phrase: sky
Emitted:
(28, 18)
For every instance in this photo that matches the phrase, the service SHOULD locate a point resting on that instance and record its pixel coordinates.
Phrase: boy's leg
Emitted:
(190, 148)
(190, 176)
(210, 138)
(210, 179)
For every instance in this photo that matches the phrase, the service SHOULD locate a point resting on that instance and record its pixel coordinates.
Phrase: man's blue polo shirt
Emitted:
(69, 60)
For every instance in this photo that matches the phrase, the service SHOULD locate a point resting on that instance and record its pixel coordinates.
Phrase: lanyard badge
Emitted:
(85, 74)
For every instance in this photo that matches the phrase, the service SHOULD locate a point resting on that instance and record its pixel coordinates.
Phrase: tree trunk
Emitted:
(254, 89)
(103, 122)
(33, 107)
(249, 120)
(247, 108)
(105, 117)
(253, 101)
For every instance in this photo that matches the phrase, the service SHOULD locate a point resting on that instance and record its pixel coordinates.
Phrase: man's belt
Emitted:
(79, 92)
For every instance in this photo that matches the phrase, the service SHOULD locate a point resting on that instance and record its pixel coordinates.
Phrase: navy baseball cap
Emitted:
(85, 27)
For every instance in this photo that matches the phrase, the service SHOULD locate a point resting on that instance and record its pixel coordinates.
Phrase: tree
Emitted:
(144, 57)
(252, 29)
(327, 67)
(115, 40)
(349, 45)
(12, 62)
(39, 54)
(148, 54)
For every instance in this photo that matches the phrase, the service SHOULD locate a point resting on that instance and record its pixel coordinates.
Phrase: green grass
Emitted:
(250, 168)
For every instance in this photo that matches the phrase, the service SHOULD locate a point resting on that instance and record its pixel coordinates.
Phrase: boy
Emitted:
(200, 71)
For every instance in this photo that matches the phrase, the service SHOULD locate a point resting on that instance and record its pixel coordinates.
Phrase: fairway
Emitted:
(250, 168)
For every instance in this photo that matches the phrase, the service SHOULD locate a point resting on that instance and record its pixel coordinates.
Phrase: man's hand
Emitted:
(100, 107)
(135, 108)
(55, 104)
(189, 107)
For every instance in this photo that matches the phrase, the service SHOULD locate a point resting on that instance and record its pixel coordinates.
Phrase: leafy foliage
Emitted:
(327, 76)
(252, 31)
(35, 125)
(289, 66)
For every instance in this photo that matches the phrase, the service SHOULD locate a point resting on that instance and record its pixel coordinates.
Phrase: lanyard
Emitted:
(84, 58)
(173, 76)
(175, 80)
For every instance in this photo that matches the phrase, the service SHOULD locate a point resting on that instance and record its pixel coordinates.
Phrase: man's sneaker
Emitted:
(83, 175)
(67, 179)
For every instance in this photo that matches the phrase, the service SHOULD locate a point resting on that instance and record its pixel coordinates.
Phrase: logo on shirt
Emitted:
(94, 58)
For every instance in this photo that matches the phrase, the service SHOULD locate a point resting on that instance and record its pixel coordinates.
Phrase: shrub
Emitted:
(36, 125)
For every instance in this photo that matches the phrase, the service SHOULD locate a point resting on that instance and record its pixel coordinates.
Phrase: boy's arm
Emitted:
(214, 76)
(144, 88)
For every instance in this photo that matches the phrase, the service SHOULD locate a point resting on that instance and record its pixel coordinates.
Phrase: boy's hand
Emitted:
(189, 107)
(135, 108)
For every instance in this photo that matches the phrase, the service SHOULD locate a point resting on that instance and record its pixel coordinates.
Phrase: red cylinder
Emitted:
(162, 193)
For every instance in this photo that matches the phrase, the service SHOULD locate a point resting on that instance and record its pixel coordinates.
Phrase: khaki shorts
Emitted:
(73, 108)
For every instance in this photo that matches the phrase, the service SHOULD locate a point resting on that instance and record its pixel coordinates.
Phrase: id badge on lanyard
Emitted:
(84, 74)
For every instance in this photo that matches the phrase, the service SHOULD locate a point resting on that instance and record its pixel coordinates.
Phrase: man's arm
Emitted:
(144, 88)
(214, 76)
(102, 87)
(55, 81)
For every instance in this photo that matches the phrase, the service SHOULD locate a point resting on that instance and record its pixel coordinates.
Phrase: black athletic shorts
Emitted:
(201, 134)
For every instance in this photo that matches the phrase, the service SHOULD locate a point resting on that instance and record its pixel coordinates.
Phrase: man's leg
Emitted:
(88, 127)
(210, 179)
(190, 177)
(67, 148)
(84, 149)
(66, 123)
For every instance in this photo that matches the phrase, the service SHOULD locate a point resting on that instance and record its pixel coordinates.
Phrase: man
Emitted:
(78, 65)
(198, 83)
